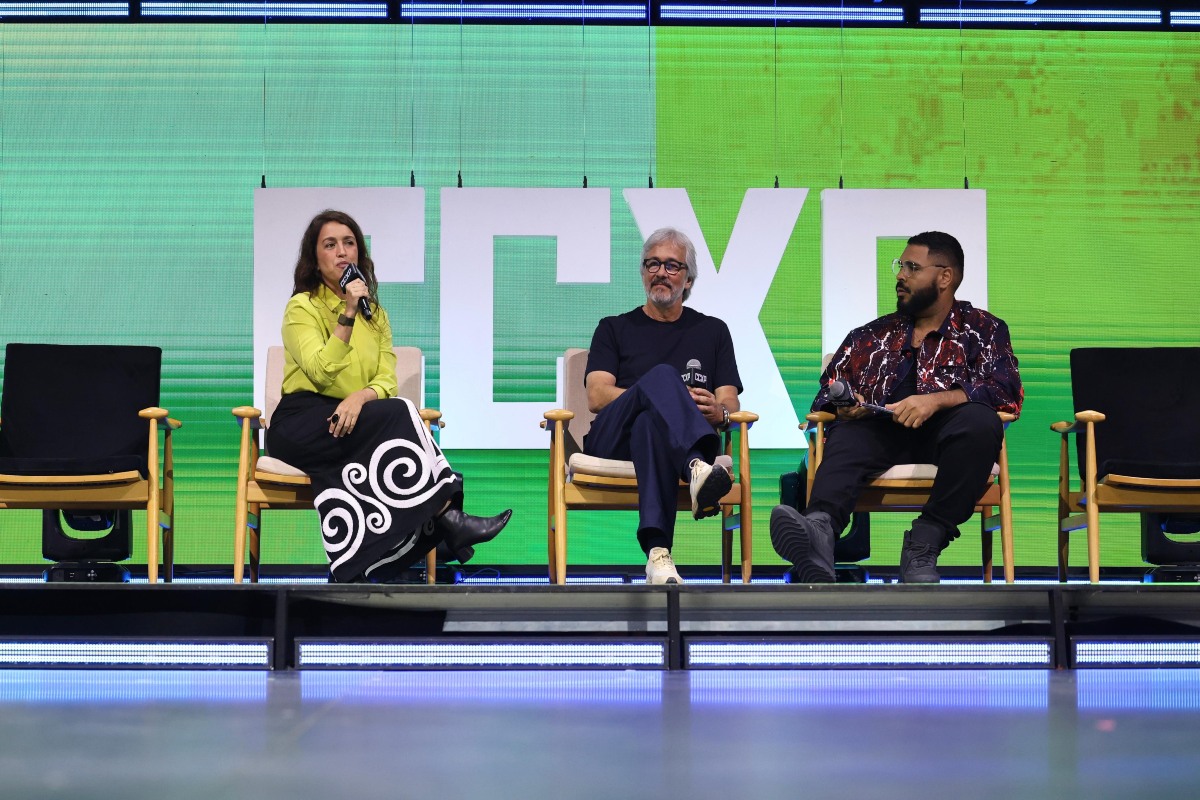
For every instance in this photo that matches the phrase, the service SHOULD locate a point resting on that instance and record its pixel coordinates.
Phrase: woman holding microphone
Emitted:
(384, 490)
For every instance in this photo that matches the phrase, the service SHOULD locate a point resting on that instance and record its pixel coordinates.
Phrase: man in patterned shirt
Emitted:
(936, 371)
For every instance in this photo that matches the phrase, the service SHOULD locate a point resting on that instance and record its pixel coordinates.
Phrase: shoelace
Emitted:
(663, 560)
(923, 555)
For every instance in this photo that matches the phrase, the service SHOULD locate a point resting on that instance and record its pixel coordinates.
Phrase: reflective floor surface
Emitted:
(626, 734)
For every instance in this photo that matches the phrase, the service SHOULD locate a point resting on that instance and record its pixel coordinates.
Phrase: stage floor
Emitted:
(600, 734)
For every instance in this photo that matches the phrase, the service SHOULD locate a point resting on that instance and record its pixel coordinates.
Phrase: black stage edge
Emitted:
(1060, 614)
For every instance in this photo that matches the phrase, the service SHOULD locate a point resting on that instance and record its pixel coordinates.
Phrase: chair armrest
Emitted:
(162, 415)
(743, 417)
(1081, 420)
(554, 415)
(433, 417)
(250, 415)
(820, 416)
(1006, 417)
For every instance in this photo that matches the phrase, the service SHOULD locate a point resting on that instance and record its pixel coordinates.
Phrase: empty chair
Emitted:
(1138, 448)
(80, 431)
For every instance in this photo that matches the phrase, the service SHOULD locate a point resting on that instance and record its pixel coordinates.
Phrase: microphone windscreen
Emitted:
(840, 393)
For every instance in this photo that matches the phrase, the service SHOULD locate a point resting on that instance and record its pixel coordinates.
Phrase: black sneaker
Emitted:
(918, 561)
(806, 541)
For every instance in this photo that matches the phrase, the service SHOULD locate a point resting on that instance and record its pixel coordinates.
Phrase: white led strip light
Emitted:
(1127, 653)
(64, 9)
(782, 13)
(522, 11)
(309, 10)
(480, 654)
(721, 654)
(167, 654)
(1064, 16)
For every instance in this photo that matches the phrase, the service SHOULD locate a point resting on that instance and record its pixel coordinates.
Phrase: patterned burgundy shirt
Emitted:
(970, 351)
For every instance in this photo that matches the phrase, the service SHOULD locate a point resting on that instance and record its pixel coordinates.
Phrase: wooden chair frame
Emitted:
(258, 489)
(154, 494)
(583, 491)
(1111, 492)
(911, 494)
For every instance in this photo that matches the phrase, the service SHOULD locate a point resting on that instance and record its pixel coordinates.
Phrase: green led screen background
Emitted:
(130, 153)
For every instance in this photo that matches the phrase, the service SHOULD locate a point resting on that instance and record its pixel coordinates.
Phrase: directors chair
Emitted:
(1138, 450)
(79, 435)
(581, 482)
(265, 482)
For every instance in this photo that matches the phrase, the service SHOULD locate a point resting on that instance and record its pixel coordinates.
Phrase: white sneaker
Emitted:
(709, 483)
(660, 568)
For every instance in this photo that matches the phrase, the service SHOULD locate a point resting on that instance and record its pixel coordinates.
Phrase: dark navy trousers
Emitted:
(964, 442)
(655, 424)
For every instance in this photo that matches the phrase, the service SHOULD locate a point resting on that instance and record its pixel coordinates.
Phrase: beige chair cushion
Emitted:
(918, 472)
(274, 466)
(591, 465)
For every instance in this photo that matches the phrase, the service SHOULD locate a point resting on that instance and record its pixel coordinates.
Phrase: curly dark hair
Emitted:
(307, 277)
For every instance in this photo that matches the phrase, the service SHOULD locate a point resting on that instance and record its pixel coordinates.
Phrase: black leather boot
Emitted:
(461, 531)
(918, 556)
(445, 555)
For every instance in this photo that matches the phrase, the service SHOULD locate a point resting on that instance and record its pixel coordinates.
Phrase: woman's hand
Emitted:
(345, 416)
(355, 290)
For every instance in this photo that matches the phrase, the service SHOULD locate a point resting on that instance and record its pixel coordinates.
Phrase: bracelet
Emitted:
(344, 320)
(725, 418)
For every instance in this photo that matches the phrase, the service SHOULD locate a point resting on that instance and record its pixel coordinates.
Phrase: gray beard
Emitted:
(670, 301)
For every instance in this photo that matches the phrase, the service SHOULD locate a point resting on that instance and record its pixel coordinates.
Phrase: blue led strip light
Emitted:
(1063, 16)
(522, 11)
(1129, 653)
(1185, 17)
(298, 10)
(426, 655)
(867, 654)
(718, 13)
(134, 654)
(64, 9)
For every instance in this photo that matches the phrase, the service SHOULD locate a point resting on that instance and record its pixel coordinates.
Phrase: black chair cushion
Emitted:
(1150, 397)
(71, 408)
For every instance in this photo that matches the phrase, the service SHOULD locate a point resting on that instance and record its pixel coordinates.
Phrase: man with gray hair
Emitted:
(662, 380)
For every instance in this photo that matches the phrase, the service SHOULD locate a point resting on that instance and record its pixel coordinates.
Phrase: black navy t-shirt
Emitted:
(629, 344)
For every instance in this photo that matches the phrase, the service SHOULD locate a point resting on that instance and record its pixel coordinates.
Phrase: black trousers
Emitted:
(377, 489)
(963, 441)
(655, 424)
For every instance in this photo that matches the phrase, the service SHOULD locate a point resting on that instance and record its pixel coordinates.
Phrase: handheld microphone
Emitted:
(692, 376)
(842, 396)
(352, 272)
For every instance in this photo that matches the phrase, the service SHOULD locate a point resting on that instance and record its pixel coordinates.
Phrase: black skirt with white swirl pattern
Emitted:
(377, 489)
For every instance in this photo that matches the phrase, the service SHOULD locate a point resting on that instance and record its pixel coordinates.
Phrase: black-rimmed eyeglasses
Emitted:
(652, 265)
